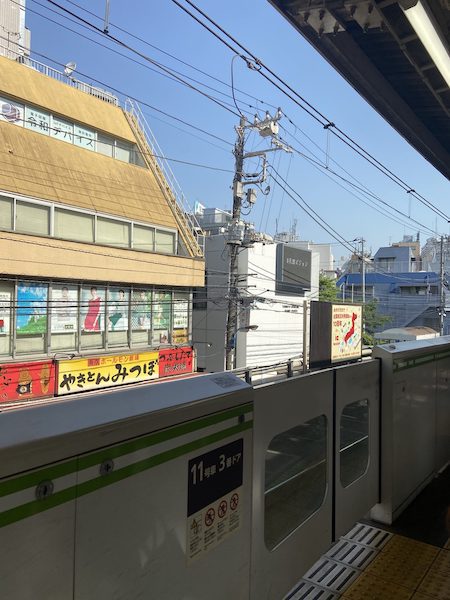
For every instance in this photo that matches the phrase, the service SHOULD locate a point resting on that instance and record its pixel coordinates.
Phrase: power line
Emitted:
(258, 65)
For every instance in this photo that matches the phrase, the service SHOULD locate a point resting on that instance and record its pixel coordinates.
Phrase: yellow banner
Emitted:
(346, 332)
(105, 371)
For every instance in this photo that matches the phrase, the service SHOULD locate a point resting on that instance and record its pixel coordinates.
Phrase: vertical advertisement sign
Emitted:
(118, 309)
(93, 309)
(162, 308)
(31, 308)
(64, 308)
(141, 302)
(346, 332)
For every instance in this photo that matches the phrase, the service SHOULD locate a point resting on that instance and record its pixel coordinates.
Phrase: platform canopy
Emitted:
(395, 54)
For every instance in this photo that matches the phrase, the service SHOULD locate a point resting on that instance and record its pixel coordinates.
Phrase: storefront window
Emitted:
(141, 317)
(64, 317)
(6, 298)
(31, 317)
(162, 308)
(180, 331)
(118, 307)
(92, 315)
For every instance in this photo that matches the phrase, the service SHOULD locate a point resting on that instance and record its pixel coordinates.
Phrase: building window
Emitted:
(113, 233)
(92, 317)
(162, 308)
(143, 238)
(180, 318)
(31, 318)
(123, 151)
(295, 478)
(32, 218)
(117, 311)
(6, 305)
(141, 317)
(165, 242)
(71, 225)
(63, 310)
(6, 212)
(354, 441)
(105, 145)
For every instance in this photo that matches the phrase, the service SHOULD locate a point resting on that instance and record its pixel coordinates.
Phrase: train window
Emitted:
(354, 446)
(295, 478)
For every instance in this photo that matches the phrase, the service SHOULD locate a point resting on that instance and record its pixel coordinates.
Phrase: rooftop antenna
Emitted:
(106, 24)
(69, 68)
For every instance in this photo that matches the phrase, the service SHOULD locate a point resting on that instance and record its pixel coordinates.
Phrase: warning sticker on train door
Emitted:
(214, 497)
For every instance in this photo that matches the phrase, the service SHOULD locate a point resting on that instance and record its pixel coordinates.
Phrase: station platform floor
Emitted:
(409, 560)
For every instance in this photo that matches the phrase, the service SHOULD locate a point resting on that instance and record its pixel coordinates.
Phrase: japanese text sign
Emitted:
(105, 371)
(175, 361)
(346, 332)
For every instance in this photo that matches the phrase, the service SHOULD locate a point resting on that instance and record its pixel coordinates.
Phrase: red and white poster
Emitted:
(24, 381)
(176, 361)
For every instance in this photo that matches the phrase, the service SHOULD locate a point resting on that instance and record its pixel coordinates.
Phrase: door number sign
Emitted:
(214, 497)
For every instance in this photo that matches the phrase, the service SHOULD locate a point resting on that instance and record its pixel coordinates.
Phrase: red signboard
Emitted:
(176, 361)
(24, 381)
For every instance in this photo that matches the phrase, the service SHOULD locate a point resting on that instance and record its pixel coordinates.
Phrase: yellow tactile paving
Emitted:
(403, 562)
(436, 584)
(368, 587)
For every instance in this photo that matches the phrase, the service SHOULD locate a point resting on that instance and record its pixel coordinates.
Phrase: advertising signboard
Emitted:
(293, 270)
(106, 371)
(176, 361)
(24, 381)
(346, 332)
(336, 333)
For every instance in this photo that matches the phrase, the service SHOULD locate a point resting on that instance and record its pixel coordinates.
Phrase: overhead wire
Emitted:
(258, 65)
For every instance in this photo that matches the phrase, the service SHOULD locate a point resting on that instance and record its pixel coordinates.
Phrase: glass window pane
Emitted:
(92, 316)
(162, 309)
(165, 241)
(143, 238)
(64, 317)
(123, 151)
(6, 212)
(117, 309)
(137, 157)
(37, 120)
(180, 324)
(71, 225)
(113, 233)
(354, 447)
(141, 316)
(85, 138)
(295, 478)
(31, 317)
(62, 130)
(105, 145)
(6, 297)
(32, 218)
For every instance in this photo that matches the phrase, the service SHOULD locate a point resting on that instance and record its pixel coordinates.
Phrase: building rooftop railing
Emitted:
(61, 76)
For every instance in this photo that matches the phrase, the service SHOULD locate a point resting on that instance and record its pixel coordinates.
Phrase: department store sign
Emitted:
(293, 270)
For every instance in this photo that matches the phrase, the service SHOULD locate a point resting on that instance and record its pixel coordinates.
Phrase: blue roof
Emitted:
(399, 279)
(400, 253)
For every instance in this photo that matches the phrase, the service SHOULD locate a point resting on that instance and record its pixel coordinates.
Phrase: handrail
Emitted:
(165, 176)
(59, 76)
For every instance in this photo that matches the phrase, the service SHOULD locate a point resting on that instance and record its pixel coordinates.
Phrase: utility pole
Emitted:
(363, 272)
(236, 231)
(441, 290)
(234, 248)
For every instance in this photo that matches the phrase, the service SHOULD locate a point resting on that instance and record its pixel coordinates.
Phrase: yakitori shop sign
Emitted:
(106, 371)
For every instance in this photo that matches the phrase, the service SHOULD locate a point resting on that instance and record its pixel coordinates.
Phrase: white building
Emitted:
(14, 36)
(270, 311)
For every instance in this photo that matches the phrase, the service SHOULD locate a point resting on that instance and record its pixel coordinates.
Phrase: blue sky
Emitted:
(262, 29)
